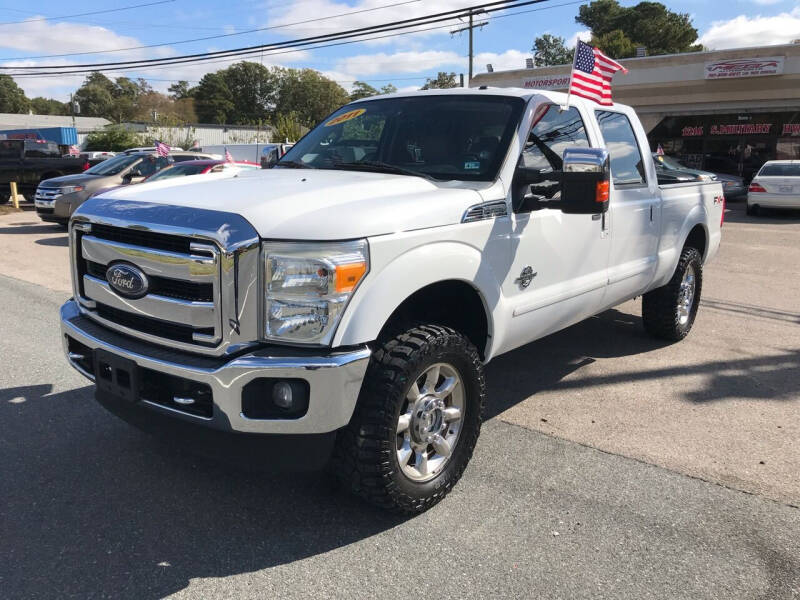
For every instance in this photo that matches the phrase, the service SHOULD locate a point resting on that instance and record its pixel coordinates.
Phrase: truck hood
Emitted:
(316, 204)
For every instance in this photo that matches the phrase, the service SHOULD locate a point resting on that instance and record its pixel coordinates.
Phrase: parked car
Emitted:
(264, 154)
(776, 185)
(27, 162)
(347, 300)
(217, 168)
(57, 198)
(669, 167)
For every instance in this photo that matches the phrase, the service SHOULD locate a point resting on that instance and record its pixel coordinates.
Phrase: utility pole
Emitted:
(470, 27)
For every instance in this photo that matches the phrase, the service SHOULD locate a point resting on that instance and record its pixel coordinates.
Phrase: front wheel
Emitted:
(668, 312)
(416, 422)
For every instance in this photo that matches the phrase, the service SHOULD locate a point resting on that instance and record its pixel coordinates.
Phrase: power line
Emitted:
(200, 57)
(96, 12)
(323, 45)
(215, 37)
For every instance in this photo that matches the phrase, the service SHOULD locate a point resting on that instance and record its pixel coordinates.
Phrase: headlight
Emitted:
(69, 189)
(307, 287)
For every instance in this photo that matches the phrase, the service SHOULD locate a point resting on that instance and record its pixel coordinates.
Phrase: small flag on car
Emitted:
(228, 155)
(592, 72)
(162, 149)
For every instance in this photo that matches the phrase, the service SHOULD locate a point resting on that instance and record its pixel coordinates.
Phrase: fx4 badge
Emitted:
(525, 278)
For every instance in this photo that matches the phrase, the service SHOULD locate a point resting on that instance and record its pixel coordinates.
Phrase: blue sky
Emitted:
(46, 28)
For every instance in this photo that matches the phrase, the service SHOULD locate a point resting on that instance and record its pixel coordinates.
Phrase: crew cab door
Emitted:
(558, 273)
(635, 209)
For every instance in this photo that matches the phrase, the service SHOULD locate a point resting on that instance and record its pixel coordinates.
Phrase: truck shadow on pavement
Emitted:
(93, 508)
(544, 364)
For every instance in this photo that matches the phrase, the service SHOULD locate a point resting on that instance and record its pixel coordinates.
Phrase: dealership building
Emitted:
(727, 111)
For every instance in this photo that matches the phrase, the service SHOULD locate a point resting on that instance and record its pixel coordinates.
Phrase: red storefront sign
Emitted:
(791, 129)
(692, 131)
(742, 129)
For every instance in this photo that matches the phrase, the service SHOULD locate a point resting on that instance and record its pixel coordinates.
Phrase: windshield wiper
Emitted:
(293, 164)
(377, 166)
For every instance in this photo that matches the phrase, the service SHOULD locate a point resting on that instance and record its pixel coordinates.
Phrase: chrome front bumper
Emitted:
(334, 379)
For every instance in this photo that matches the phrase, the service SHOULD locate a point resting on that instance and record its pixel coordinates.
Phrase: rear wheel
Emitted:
(668, 312)
(417, 420)
(752, 209)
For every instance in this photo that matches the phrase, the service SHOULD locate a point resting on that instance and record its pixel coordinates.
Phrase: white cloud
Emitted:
(510, 59)
(43, 37)
(398, 62)
(744, 31)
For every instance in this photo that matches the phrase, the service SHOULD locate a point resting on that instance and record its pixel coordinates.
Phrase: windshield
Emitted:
(780, 170)
(669, 163)
(113, 166)
(443, 137)
(186, 168)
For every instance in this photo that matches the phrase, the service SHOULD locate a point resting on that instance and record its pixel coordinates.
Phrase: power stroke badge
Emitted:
(127, 280)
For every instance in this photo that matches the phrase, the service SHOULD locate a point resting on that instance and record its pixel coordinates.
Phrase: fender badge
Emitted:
(525, 278)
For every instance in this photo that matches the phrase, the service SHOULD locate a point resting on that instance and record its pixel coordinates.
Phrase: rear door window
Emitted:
(10, 149)
(42, 150)
(627, 166)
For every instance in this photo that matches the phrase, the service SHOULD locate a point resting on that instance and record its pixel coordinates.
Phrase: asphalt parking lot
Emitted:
(610, 466)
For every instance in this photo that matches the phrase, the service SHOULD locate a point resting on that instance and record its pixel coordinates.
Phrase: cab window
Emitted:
(555, 131)
(627, 167)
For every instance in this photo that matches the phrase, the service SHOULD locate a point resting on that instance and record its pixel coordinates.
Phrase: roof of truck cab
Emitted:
(556, 97)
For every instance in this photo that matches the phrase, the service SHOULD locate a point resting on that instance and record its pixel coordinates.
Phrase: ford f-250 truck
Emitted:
(344, 303)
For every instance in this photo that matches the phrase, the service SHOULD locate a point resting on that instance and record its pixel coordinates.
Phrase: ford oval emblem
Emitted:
(127, 280)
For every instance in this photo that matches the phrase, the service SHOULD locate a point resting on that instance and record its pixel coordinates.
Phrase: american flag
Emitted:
(162, 149)
(592, 72)
(228, 155)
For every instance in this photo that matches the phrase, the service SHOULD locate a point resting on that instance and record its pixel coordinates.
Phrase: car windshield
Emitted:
(780, 170)
(462, 137)
(186, 168)
(113, 166)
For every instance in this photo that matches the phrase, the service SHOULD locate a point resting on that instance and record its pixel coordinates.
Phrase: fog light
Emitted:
(282, 395)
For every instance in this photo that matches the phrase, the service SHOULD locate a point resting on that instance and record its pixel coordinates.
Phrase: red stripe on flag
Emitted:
(602, 102)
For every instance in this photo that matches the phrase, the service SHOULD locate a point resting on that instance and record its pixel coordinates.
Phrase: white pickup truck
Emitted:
(342, 305)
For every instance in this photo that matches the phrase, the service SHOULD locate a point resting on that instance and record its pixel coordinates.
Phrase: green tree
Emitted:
(619, 30)
(213, 99)
(114, 138)
(179, 90)
(308, 94)
(48, 106)
(96, 96)
(388, 89)
(286, 127)
(362, 90)
(551, 50)
(253, 89)
(12, 98)
(441, 81)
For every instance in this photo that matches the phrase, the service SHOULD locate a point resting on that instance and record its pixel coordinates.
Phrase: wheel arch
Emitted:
(453, 287)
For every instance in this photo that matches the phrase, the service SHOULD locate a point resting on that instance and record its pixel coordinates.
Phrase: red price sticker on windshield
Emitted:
(346, 117)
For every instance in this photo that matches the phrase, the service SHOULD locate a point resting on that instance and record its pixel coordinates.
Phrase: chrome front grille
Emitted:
(203, 271)
(183, 299)
(45, 197)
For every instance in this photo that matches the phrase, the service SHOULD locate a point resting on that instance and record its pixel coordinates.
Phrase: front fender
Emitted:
(402, 265)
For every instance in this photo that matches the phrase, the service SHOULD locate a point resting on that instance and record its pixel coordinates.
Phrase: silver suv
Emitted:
(57, 198)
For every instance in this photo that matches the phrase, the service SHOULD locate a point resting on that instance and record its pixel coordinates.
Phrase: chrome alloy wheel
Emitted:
(686, 296)
(430, 422)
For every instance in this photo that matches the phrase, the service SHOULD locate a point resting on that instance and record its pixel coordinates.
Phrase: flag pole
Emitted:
(571, 73)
